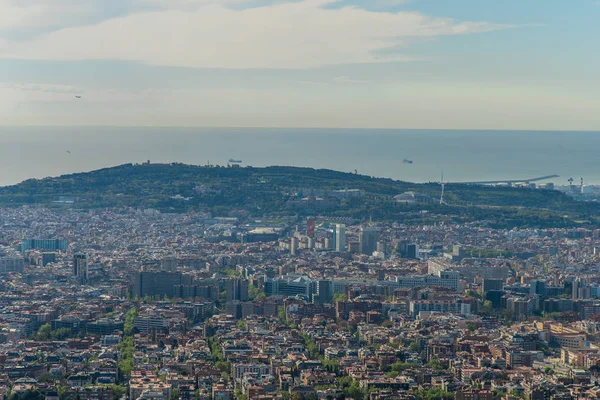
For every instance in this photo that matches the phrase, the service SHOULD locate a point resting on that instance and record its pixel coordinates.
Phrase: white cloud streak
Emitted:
(302, 34)
(29, 14)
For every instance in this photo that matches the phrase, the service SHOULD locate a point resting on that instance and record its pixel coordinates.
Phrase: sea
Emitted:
(461, 156)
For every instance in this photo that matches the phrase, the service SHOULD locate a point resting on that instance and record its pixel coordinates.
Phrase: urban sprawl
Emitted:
(143, 305)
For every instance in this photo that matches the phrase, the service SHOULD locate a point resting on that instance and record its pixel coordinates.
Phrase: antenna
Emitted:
(443, 186)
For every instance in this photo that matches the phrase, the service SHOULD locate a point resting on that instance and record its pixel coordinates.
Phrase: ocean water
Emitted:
(37, 152)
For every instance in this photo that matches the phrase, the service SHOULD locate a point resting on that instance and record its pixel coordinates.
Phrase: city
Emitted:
(299, 200)
(105, 304)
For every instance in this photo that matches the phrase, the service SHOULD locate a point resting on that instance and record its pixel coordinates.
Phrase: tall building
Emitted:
(538, 287)
(412, 251)
(294, 245)
(237, 289)
(160, 284)
(44, 244)
(368, 238)
(407, 250)
(168, 264)
(324, 293)
(339, 236)
(11, 264)
(579, 289)
(310, 227)
(288, 286)
(492, 284)
(47, 258)
(80, 267)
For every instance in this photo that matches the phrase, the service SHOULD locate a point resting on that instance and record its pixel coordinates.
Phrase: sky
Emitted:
(448, 64)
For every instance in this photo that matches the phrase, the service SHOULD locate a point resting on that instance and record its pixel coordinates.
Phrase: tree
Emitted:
(355, 391)
(255, 293)
(344, 381)
(61, 333)
(27, 395)
(488, 307)
(434, 394)
(223, 366)
(281, 313)
(435, 364)
(548, 371)
(401, 366)
(44, 332)
(331, 365)
(128, 325)
(241, 324)
(339, 297)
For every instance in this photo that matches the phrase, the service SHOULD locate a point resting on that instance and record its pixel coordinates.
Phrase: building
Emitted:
(234, 308)
(474, 394)
(439, 306)
(104, 327)
(294, 245)
(168, 264)
(324, 292)
(260, 235)
(47, 258)
(470, 269)
(289, 286)
(256, 369)
(412, 251)
(11, 264)
(538, 287)
(45, 244)
(237, 289)
(492, 284)
(208, 292)
(446, 279)
(80, 267)
(339, 237)
(159, 283)
(310, 227)
(368, 238)
(152, 322)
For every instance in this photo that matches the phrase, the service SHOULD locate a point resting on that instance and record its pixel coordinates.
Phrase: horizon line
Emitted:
(305, 128)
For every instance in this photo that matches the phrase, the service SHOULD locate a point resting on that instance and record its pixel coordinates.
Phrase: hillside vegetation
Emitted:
(260, 191)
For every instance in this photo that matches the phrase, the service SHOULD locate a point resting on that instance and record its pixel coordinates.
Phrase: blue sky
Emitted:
(458, 64)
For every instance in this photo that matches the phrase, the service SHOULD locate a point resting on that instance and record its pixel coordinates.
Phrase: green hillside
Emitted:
(275, 190)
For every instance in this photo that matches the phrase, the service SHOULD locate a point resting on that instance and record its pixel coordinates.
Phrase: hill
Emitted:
(279, 190)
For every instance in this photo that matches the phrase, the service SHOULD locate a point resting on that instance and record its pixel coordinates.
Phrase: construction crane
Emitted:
(539, 178)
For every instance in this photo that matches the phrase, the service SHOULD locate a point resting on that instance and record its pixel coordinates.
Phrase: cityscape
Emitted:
(141, 304)
(299, 200)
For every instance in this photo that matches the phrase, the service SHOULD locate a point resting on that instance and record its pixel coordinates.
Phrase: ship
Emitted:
(407, 161)
(231, 160)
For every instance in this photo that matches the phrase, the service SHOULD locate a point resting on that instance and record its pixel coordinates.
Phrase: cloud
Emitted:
(348, 80)
(338, 80)
(41, 87)
(29, 14)
(288, 35)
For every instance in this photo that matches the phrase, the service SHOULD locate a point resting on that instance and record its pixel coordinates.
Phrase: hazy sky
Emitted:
(495, 64)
